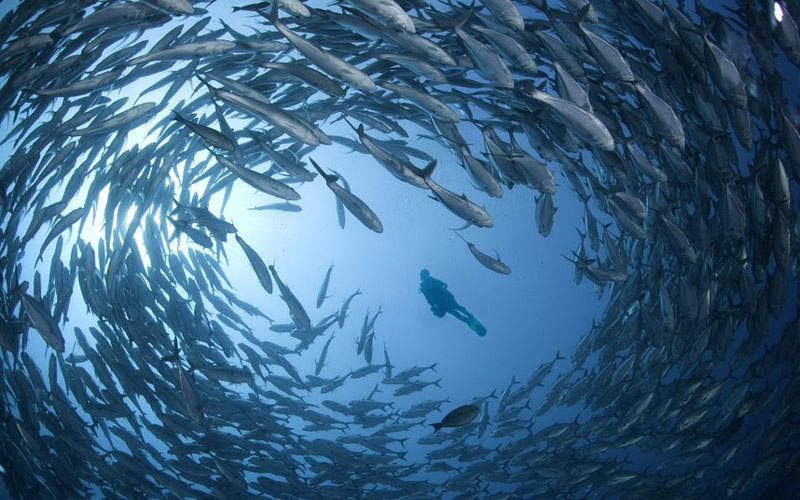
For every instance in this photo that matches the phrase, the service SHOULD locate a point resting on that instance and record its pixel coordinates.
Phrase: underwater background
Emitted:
(664, 366)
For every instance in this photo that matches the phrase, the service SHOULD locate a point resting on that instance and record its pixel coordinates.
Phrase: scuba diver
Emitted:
(442, 302)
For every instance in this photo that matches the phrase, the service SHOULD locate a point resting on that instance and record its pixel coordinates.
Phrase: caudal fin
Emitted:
(437, 426)
(428, 170)
(327, 177)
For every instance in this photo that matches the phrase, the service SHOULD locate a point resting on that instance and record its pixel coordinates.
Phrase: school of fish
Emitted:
(675, 126)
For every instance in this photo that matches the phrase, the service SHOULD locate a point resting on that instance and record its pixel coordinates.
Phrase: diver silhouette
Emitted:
(442, 302)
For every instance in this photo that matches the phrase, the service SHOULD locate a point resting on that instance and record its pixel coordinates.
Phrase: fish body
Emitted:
(43, 321)
(545, 213)
(187, 51)
(308, 75)
(324, 60)
(387, 12)
(296, 309)
(459, 205)
(424, 100)
(488, 64)
(323, 289)
(584, 125)
(262, 274)
(399, 167)
(417, 65)
(117, 122)
(292, 125)
(490, 263)
(84, 86)
(262, 182)
(354, 204)
(212, 137)
(461, 416)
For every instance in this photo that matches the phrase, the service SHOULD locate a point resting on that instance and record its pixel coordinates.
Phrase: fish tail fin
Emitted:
(359, 130)
(581, 17)
(204, 81)
(453, 23)
(437, 426)
(173, 356)
(559, 356)
(273, 14)
(177, 116)
(571, 260)
(327, 177)
(428, 170)
(459, 235)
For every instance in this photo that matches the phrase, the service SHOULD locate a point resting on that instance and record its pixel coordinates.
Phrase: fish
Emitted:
(417, 65)
(323, 289)
(490, 263)
(289, 165)
(568, 88)
(458, 417)
(425, 101)
(281, 207)
(326, 61)
(610, 60)
(59, 227)
(260, 181)
(505, 12)
(114, 16)
(43, 321)
(354, 205)
(583, 124)
(292, 125)
(481, 174)
(342, 314)
(308, 75)
(83, 86)
(663, 118)
(187, 51)
(545, 211)
(296, 309)
(191, 399)
(320, 363)
(212, 137)
(225, 373)
(386, 12)
(127, 118)
(458, 205)
(262, 274)
(488, 64)
(399, 167)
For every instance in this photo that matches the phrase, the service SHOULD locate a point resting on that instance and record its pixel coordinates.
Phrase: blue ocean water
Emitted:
(531, 315)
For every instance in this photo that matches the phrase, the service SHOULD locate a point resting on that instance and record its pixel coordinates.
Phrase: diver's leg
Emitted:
(461, 309)
(467, 317)
(464, 315)
(459, 314)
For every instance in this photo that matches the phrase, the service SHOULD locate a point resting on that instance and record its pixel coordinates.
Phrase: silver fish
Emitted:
(353, 204)
(459, 205)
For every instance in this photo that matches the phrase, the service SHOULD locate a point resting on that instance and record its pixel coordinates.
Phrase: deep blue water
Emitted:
(531, 315)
